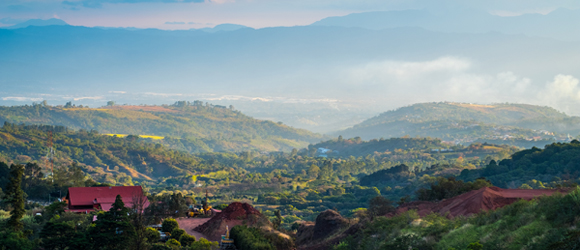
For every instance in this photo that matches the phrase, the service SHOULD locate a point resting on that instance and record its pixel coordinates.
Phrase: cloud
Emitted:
(397, 70)
(21, 99)
(99, 3)
(562, 93)
(88, 98)
(117, 92)
(174, 23)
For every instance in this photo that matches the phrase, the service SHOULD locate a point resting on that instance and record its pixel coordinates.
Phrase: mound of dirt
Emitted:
(235, 214)
(484, 199)
(328, 223)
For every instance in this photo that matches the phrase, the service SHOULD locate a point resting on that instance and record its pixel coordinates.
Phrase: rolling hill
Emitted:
(464, 123)
(193, 127)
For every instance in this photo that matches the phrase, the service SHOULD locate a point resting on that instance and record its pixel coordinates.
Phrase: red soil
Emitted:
(188, 224)
(484, 199)
(233, 215)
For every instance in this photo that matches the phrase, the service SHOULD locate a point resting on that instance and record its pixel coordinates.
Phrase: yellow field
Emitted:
(154, 137)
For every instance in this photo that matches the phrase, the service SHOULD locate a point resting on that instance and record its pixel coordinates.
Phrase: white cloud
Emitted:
(21, 99)
(562, 93)
(398, 83)
(405, 71)
(88, 98)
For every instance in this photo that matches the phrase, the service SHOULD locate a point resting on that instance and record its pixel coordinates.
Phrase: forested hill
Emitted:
(194, 127)
(464, 123)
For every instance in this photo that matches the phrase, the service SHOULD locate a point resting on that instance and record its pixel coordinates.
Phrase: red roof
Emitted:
(103, 196)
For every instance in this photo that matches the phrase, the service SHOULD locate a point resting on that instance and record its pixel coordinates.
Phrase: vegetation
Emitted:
(545, 223)
(250, 238)
(515, 124)
(445, 188)
(556, 165)
(190, 126)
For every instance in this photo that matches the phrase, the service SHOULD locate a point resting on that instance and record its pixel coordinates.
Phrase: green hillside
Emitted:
(194, 127)
(517, 124)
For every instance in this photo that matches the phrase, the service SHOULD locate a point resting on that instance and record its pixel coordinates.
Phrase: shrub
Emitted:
(177, 233)
(186, 240)
(152, 235)
(159, 246)
(169, 225)
(173, 244)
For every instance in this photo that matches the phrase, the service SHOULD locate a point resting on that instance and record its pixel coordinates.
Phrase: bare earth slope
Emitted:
(484, 199)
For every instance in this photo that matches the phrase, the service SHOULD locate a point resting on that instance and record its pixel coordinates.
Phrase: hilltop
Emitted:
(513, 124)
(194, 127)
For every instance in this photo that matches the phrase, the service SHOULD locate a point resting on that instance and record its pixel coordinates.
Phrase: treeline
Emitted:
(556, 164)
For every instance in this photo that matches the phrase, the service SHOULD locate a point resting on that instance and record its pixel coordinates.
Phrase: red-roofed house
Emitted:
(87, 199)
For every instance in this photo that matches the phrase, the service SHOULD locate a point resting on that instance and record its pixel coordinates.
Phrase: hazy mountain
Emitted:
(556, 24)
(225, 27)
(352, 71)
(37, 22)
(192, 127)
(464, 123)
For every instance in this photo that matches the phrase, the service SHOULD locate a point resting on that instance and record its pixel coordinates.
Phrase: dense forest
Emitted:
(192, 126)
(514, 124)
(531, 168)
(300, 177)
(360, 180)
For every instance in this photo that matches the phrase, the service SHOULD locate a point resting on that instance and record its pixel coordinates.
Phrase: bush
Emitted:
(186, 240)
(169, 225)
(152, 235)
(203, 244)
(159, 246)
(177, 233)
(250, 239)
(173, 244)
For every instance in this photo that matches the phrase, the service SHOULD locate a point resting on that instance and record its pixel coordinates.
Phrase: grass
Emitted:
(154, 137)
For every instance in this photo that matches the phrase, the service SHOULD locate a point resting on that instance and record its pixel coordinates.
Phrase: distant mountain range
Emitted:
(324, 77)
(37, 22)
(559, 24)
(190, 127)
(515, 124)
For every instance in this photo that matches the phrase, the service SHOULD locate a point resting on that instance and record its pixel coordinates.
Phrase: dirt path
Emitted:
(188, 224)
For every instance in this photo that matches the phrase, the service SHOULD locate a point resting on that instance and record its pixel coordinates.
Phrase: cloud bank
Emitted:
(456, 79)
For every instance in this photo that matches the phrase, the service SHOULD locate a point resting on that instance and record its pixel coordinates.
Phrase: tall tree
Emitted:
(15, 197)
(113, 229)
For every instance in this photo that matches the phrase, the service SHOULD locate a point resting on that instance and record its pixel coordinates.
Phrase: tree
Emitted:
(15, 197)
(278, 220)
(113, 229)
(177, 233)
(169, 225)
(173, 243)
(379, 206)
(111, 103)
(186, 240)
(56, 236)
(152, 235)
(138, 222)
(203, 244)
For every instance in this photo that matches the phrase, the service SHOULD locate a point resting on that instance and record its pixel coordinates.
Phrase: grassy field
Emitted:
(154, 137)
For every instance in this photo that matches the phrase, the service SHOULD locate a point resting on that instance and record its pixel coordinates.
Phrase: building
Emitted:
(87, 199)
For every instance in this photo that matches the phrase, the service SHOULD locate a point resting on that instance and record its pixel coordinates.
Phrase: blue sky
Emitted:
(186, 14)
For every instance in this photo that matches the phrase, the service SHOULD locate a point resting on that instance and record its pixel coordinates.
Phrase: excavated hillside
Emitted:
(484, 199)
(236, 213)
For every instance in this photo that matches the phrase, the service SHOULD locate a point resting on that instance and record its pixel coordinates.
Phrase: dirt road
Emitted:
(188, 224)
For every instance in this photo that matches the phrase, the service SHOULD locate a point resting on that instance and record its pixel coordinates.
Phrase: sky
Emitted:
(187, 14)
